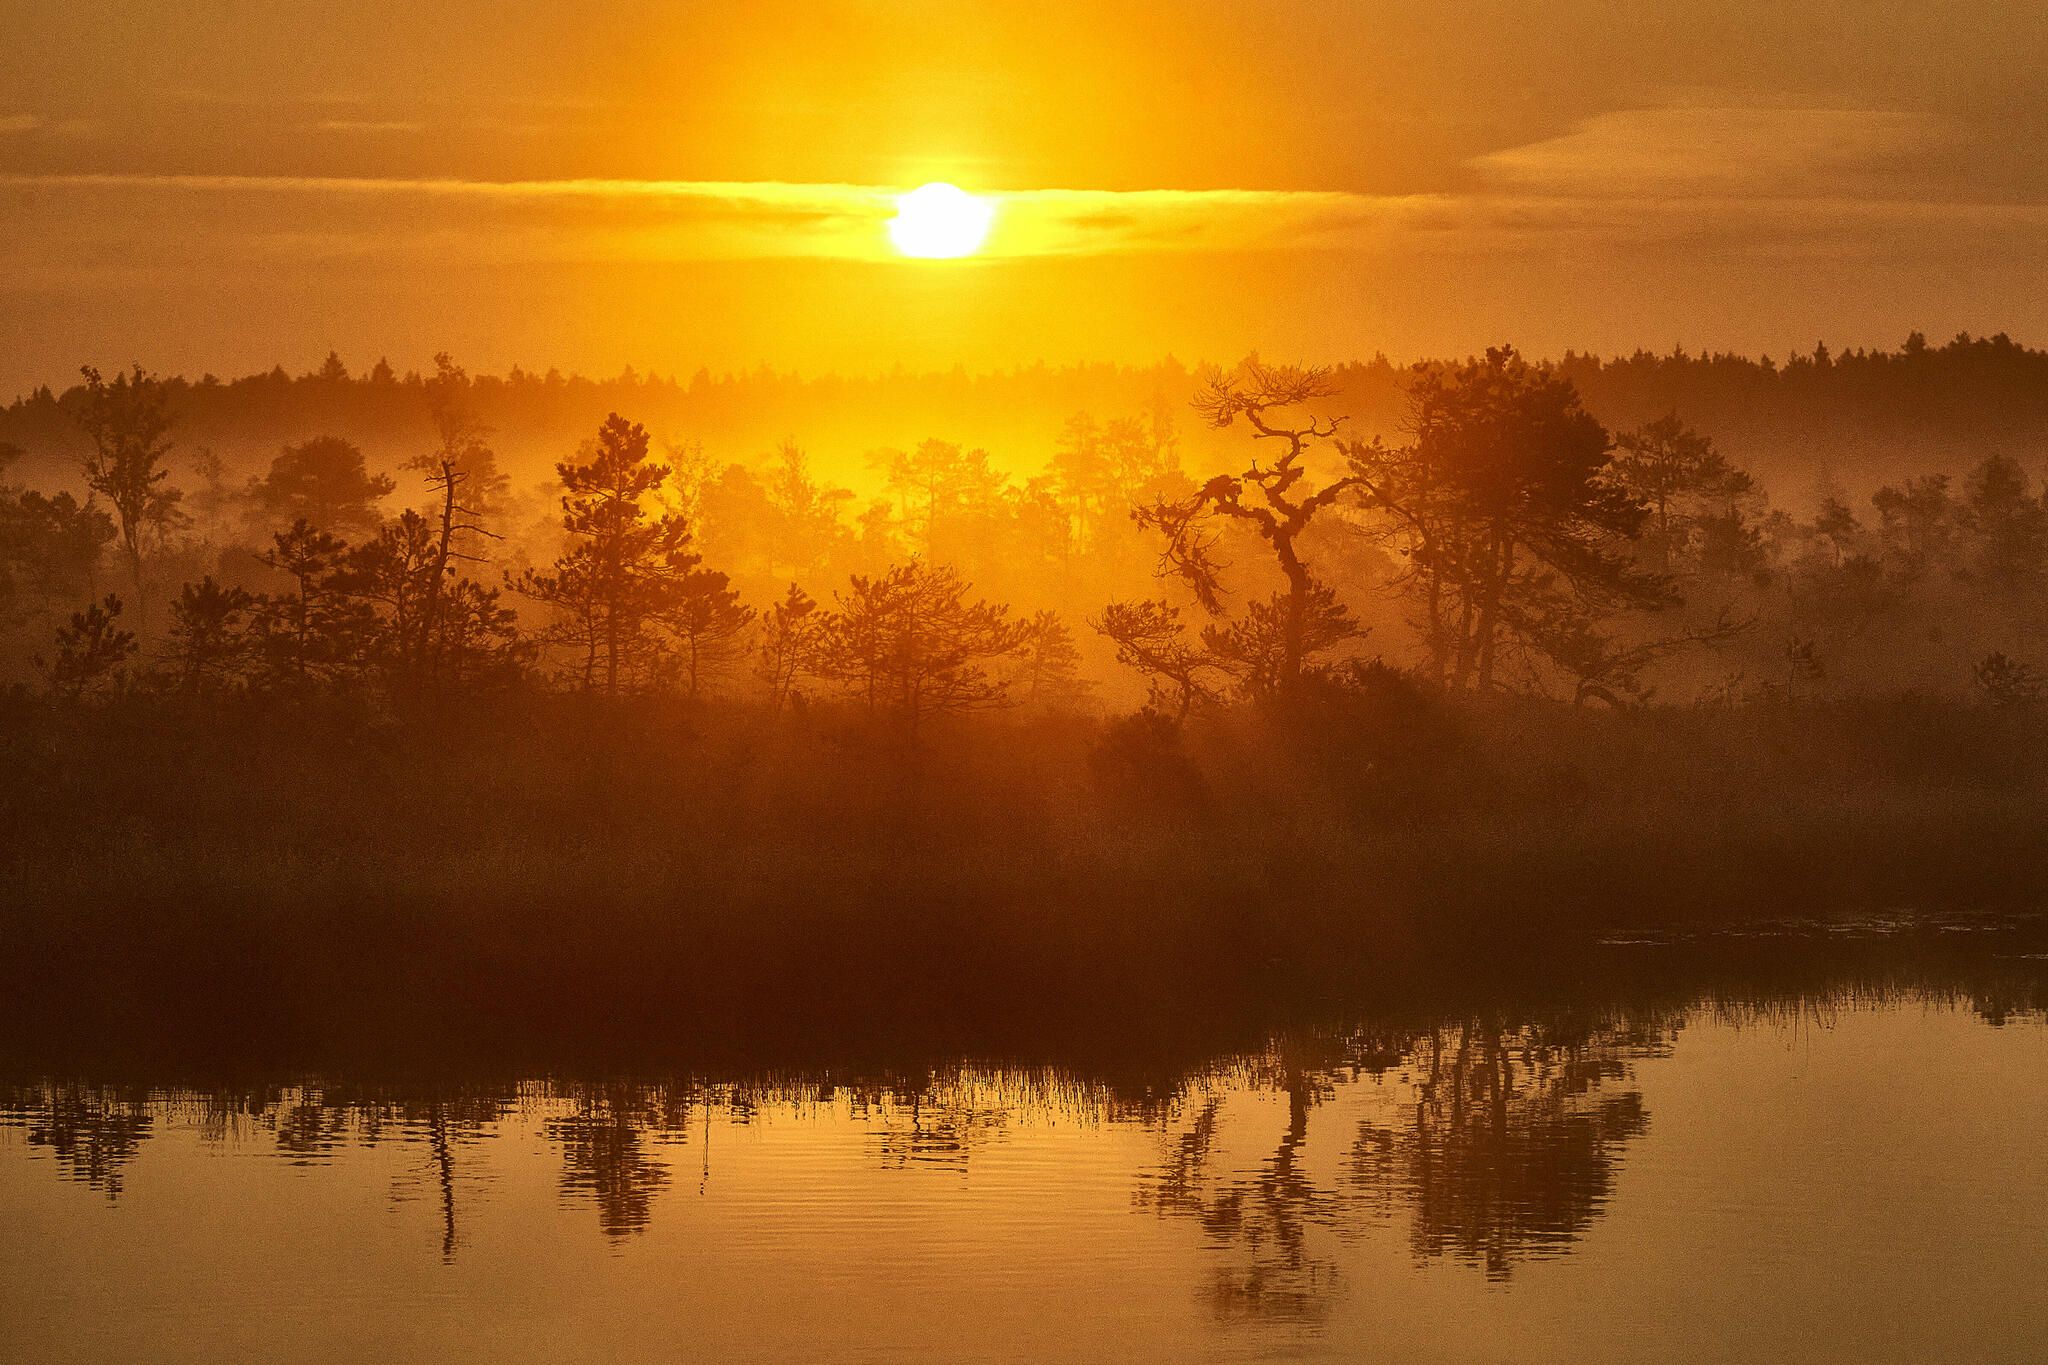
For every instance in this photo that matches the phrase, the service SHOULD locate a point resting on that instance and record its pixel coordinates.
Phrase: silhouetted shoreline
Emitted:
(294, 883)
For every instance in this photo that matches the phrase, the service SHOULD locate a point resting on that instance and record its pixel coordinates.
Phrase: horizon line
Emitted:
(671, 378)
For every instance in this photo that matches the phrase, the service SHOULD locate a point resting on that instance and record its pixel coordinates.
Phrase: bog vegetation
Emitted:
(1243, 672)
(1483, 535)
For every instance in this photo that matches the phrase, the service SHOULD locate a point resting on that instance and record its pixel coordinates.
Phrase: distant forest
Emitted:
(1651, 528)
(1859, 417)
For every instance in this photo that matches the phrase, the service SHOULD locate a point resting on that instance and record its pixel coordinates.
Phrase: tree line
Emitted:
(1871, 415)
(1502, 539)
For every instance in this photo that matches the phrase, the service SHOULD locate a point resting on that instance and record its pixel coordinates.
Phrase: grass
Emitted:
(537, 869)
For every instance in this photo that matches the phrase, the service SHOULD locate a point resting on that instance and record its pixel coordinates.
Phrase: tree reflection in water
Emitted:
(1498, 1143)
(93, 1132)
(1263, 1220)
(1489, 1140)
(1509, 1146)
(604, 1150)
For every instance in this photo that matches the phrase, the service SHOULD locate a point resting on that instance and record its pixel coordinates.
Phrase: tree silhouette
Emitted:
(324, 482)
(1505, 507)
(807, 526)
(92, 651)
(461, 440)
(1101, 471)
(1259, 647)
(398, 572)
(479, 636)
(49, 544)
(1081, 475)
(1685, 485)
(215, 496)
(315, 632)
(625, 569)
(462, 470)
(1835, 528)
(1048, 664)
(129, 424)
(1916, 526)
(737, 517)
(208, 647)
(1272, 501)
(938, 485)
(2004, 528)
(910, 644)
(790, 637)
(1905, 588)
(708, 623)
(1149, 637)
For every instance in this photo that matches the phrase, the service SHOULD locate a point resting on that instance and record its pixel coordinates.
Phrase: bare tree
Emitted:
(461, 460)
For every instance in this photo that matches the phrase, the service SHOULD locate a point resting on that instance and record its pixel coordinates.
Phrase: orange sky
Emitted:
(223, 186)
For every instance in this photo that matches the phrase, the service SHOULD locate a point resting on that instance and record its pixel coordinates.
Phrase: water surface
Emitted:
(1858, 1178)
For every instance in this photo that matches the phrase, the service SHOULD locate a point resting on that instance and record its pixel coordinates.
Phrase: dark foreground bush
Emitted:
(540, 862)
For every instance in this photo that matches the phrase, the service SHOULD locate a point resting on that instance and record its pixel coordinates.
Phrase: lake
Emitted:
(1857, 1174)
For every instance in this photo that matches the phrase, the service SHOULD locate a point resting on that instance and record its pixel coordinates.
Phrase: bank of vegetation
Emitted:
(707, 737)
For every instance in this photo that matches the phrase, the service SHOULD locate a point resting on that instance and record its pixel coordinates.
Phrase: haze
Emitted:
(1194, 680)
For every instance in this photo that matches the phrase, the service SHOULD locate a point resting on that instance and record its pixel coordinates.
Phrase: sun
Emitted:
(940, 222)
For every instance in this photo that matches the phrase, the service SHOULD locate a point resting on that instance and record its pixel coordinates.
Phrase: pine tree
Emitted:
(789, 645)
(624, 570)
(208, 643)
(1048, 664)
(708, 624)
(909, 643)
(92, 651)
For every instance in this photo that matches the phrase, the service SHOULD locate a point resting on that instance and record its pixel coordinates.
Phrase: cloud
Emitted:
(1719, 150)
(63, 127)
(469, 220)
(355, 125)
(71, 227)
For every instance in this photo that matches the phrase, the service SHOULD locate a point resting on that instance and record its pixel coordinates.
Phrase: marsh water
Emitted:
(1850, 1173)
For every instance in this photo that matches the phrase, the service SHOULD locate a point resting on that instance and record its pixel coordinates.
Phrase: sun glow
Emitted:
(940, 222)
